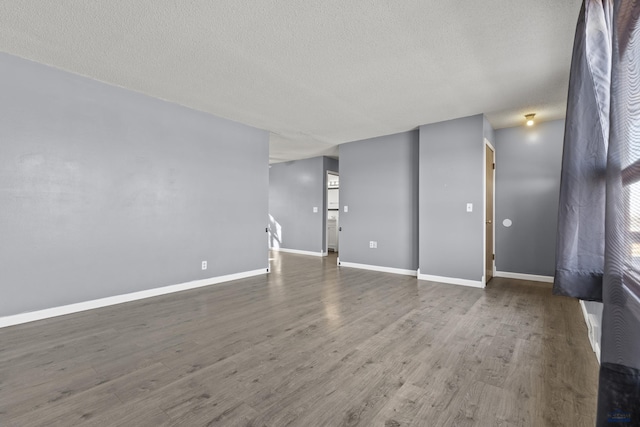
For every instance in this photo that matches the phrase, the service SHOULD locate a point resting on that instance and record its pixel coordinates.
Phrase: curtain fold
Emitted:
(599, 218)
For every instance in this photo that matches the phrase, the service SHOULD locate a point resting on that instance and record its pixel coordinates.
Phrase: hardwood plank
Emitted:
(308, 345)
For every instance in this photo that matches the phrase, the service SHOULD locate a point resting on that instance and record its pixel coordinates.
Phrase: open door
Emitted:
(489, 204)
(333, 211)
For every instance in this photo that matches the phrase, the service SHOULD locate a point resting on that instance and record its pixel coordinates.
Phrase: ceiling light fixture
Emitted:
(529, 118)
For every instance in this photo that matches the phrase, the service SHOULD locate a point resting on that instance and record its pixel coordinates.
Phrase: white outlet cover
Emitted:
(204, 265)
(469, 207)
(315, 209)
(346, 208)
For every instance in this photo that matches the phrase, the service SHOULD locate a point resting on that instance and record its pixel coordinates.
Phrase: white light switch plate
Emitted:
(346, 208)
(469, 207)
(315, 209)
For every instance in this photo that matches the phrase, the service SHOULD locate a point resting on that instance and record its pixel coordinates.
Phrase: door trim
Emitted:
(484, 209)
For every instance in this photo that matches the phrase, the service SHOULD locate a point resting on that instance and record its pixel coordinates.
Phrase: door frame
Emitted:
(326, 208)
(486, 144)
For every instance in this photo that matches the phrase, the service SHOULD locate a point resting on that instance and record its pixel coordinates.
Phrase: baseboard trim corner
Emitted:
(299, 252)
(47, 313)
(379, 268)
(452, 280)
(522, 276)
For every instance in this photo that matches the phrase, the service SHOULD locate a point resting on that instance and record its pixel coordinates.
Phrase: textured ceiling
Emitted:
(314, 73)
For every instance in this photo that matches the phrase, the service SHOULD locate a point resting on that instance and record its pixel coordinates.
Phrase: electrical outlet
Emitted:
(373, 244)
(204, 265)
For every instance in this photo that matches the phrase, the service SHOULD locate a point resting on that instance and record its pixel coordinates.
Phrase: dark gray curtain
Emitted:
(599, 227)
(580, 248)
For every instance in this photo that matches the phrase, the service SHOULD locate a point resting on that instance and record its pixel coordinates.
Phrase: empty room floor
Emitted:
(310, 344)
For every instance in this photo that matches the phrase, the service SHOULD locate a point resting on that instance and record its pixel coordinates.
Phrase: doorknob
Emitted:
(489, 222)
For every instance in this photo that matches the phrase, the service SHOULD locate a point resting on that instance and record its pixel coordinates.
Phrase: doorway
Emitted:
(489, 209)
(333, 211)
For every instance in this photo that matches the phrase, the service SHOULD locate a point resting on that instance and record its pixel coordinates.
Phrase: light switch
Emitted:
(346, 208)
(469, 207)
(315, 209)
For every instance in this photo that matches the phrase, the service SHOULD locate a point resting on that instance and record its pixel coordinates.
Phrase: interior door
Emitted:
(490, 170)
(333, 210)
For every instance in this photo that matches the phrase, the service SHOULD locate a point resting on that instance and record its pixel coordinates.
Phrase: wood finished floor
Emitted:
(308, 345)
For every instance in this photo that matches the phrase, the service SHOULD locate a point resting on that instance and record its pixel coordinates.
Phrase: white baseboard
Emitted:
(451, 280)
(378, 268)
(299, 252)
(584, 312)
(522, 276)
(32, 316)
(592, 339)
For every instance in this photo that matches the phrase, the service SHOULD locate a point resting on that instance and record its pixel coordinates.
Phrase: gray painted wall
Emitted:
(295, 188)
(378, 182)
(487, 131)
(106, 191)
(451, 165)
(528, 163)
